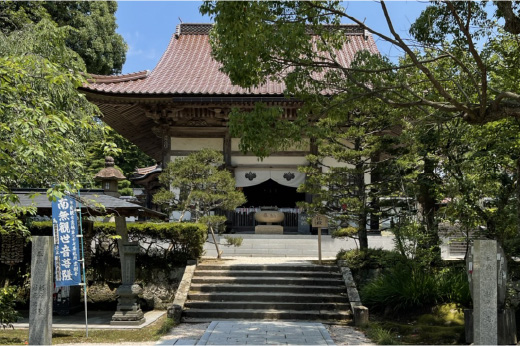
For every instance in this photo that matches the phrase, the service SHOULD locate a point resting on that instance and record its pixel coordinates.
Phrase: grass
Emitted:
(381, 336)
(444, 326)
(153, 332)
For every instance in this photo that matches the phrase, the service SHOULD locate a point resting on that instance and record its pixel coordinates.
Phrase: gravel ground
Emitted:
(187, 331)
(344, 335)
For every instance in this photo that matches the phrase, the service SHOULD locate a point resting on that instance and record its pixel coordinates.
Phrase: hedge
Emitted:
(184, 240)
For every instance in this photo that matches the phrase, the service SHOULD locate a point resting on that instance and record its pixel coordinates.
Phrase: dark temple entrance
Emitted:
(270, 193)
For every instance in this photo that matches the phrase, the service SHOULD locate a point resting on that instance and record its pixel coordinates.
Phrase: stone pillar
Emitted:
(505, 318)
(360, 315)
(122, 232)
(128, 309)
(40, 310)
(484, 282)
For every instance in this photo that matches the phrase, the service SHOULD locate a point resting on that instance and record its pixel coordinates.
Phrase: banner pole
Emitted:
(83, 265)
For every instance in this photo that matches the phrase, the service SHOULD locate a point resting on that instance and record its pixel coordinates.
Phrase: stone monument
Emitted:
(489, 322)
(128, 309)
(485, 297)
(40, 310)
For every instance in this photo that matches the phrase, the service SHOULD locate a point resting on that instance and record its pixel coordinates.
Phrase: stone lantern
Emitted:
(109, 176)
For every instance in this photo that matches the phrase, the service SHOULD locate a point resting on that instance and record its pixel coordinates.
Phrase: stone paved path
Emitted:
(262, 333)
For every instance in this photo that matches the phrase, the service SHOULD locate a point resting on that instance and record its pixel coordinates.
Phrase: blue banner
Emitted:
(66, 245)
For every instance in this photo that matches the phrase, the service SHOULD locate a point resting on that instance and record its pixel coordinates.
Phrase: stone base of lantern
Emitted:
(128, 312)
(268, 229)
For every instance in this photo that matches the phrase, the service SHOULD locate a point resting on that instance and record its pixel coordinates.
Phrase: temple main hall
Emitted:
(182, 106)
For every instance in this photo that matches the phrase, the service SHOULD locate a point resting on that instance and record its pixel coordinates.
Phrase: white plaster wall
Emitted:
(196, 143)
(234, 144)
(330, 161)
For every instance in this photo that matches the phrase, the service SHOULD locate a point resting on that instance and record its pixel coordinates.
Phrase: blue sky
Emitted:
(148, 25)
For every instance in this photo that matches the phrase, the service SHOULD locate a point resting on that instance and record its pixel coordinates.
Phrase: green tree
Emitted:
(460, 61)
(350, 172)
(444, 69)
(198, 183)
(354, 142)
(481, 178)
(127, 156)
(93, 35)
(44, 121)
(256, 41)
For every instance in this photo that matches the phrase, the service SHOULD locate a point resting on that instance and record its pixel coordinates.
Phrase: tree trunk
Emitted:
(219, 253)
(518, 196)
(427, 201)
(362, 231)
(361, 194)
(375, 177)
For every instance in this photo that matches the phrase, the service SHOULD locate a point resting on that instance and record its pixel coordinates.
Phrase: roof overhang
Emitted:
(144, 119)
(91, 200)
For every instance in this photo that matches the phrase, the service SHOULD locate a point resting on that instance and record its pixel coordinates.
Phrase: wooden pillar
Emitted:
(227, 150)
(166, 148)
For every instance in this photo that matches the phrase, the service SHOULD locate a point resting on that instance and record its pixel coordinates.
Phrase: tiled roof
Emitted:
(187, 68)
(145, 176)
(147, 170)
(90, 201)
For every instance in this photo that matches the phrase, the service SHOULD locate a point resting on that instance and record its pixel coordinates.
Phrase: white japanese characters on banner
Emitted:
(66, 245)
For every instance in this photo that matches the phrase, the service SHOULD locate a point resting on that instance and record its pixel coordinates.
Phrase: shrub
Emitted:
(175, 242)
(234, 241)
(8, 314)
(411, 287)
(370, 258)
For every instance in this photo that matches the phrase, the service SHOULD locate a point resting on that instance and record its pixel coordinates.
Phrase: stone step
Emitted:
(263, 273)
(314, 297)
(346, 322)
(267, 288)
(301, 281)
(267, 314)
(268, 267)
(267, 292)
(262, 305)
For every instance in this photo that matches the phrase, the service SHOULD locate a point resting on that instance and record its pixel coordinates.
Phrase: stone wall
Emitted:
(159, 287)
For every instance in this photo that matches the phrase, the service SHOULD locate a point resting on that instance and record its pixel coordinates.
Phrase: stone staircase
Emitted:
(267, 292)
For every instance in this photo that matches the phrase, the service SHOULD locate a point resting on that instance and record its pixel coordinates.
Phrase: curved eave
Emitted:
(202, 98)
(108, 79)
(144, 180)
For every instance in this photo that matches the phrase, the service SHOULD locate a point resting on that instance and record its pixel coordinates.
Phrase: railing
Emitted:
(243, 219)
